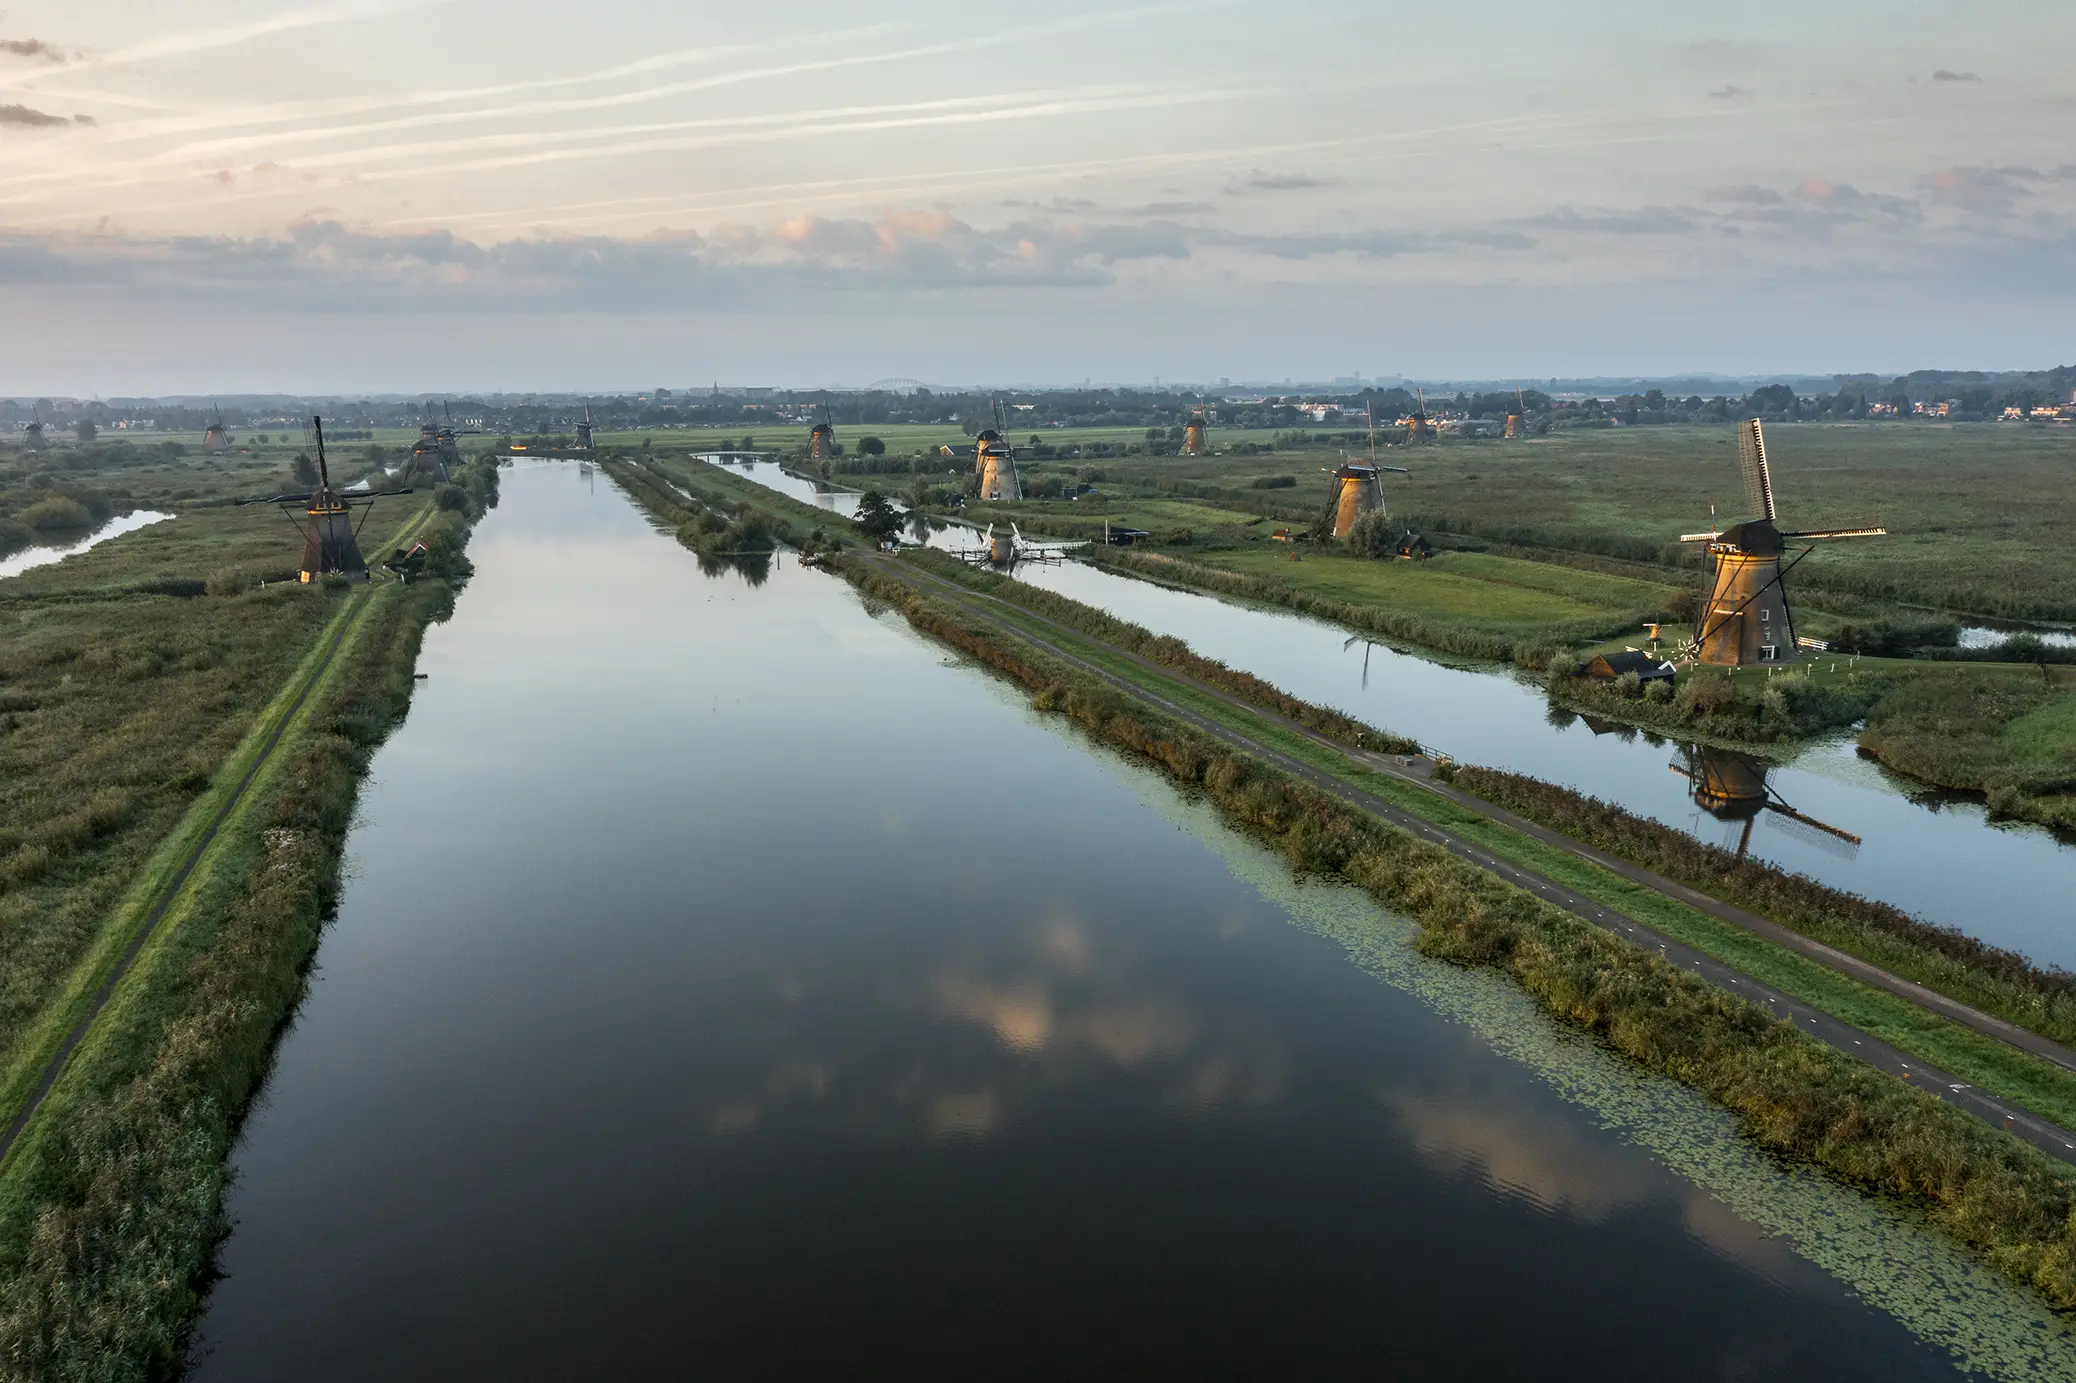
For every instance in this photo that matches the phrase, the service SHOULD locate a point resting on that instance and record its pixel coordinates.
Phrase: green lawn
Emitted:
(1497, 594)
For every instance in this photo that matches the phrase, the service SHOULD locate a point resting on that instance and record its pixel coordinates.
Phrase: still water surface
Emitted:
(30, 558)
(1940, 859)
(730, 983)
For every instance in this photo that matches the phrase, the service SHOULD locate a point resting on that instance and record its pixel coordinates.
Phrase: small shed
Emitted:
(1413, 547)
(1609, 666)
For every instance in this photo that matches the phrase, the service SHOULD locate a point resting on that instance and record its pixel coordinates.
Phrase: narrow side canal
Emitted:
(1927, 853)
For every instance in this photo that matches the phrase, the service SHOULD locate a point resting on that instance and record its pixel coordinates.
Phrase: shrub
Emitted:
(57, 512)
(1707, 693)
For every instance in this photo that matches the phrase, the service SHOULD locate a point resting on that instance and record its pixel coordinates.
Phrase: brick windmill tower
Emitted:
(821, 439)
(216, 439)
(1745, 618)
(1196, 436)
(1358, 488)
(995, 462)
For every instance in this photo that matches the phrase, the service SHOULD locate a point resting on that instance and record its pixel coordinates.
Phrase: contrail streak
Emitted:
(230, 35)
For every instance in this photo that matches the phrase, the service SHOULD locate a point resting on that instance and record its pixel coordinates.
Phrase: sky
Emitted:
(410, 195)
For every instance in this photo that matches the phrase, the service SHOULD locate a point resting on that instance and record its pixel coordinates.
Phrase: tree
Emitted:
(871, 446)
(878, 518)
(1773, 399)
(305, 469)
(84, 430)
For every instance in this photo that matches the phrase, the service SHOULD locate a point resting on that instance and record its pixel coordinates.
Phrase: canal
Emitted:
(1874, 833)
(730, 982)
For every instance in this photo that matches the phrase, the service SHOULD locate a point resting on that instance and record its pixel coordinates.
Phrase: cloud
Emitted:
(1942, 75)
(1987, 191)
(1814, 204)
(1729, 93)
(32, 119)
(1369, 245)
(1260, 181)
(1748, 194)
(231, 35)
(1651, 220)
(30, 48)
(324, 264)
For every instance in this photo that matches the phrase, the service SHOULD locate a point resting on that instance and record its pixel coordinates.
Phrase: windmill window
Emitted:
(1765, 615)
(1767, 652)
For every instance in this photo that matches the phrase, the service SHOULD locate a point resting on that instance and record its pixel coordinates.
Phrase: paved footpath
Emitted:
(1419, 770)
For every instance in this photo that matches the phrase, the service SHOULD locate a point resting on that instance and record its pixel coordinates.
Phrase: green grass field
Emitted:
(1978, 513)
(1499, 594)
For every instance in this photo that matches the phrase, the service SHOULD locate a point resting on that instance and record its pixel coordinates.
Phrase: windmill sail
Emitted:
(1758, 476)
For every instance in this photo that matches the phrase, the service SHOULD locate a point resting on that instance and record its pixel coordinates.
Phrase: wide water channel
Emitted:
(1941, 859)
(731, 983)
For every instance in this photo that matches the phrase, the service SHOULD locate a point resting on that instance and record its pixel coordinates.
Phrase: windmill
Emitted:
(1517, 421)
(995, 461)
(584, 431)
(1745, 618)
(216, 439)
(32, 435)
(821, 438)
(1418, 427)
(1731, 787)
(426, 454)
(331, 545)
(450, 435)
(1359, 489)
(1196, 437)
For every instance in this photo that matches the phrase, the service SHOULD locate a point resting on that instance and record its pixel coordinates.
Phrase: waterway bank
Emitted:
(43, 555)
(111, 1191)
(1937, 856)
(1946, 960)
(675, 1000)
(1792, 1094)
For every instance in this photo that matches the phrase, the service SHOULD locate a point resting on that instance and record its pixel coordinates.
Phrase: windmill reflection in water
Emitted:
(1732, 787)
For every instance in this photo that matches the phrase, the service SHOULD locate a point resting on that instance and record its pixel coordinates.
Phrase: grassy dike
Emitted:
(1940, 958)
(1982, 1060)
(1441, 635)
(111, 1200)
(1790, 1093)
